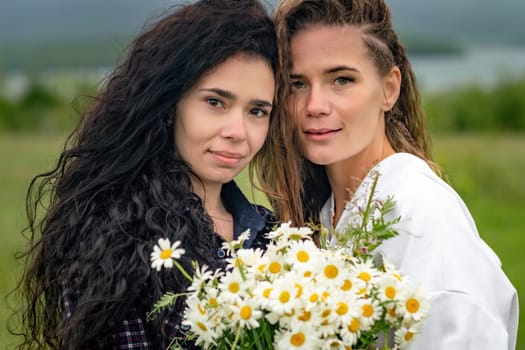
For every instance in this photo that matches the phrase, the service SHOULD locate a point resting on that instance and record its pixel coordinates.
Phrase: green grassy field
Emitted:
(486, 170)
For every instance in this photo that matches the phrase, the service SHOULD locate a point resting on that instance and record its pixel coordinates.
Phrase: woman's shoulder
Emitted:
(268, 216)
(422, 198)
(265, 213)
(405, 174)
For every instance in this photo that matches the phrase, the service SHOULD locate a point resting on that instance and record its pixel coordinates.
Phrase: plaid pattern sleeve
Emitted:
(131, 335)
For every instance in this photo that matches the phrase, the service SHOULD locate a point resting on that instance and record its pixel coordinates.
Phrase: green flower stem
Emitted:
(369, 202)
(237, 336)
(385, 346)
(181, 269)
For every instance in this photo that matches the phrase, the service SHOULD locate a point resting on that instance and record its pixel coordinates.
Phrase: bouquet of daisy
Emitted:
(296, 295)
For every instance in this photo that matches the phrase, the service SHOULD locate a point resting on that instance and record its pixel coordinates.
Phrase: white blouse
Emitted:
(472, 303)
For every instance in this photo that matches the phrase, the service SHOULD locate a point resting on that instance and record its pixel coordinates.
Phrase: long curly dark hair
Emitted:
(120, 184)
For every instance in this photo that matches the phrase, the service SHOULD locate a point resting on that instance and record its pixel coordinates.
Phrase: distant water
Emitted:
(484, 66)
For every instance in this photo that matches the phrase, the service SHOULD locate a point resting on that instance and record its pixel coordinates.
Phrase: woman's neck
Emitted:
(210, 195)
(346, 176)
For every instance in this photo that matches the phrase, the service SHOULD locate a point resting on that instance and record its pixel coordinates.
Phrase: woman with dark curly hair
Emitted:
(154, 158)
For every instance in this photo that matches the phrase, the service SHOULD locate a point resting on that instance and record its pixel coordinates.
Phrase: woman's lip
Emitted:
(227, 154)
(320, 134)
(227, 158)
(319, 131)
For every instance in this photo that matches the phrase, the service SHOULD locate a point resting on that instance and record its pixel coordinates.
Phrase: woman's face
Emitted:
(222, 121)
(338, 99)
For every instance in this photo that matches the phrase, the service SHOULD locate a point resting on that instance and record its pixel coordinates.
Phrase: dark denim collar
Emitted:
(245, 215)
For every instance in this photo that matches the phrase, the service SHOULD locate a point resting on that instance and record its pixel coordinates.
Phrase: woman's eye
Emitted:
(342, 80)
(259, 112)
(297, 85)
(214, 102)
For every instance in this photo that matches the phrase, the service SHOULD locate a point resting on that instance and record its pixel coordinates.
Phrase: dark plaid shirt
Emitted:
(133, 333)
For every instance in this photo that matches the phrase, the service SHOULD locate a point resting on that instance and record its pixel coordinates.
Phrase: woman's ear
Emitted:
(391, 88)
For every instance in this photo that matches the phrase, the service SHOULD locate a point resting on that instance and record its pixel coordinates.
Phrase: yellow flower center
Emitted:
(326, 313)
(165, 254)
(201, 310)
(305, 316)
(308, 274)
(266, 292)
(368, 310)
(347, 285)
(365, 276)
(408, 336)
(261, 268)
(342, 308)
(331, 271)
(234, 287)
(303, 256)
(284, 297)
(297, 339)
(202, 326)
(246, 312)
(213, 302)
(390, 292)
(392, 312)
(314, 297)
(412, 305)
(275, 267)
(354, 325)
(299, 290)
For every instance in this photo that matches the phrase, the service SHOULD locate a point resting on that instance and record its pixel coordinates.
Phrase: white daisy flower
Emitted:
(300, 336)
(246, 314)
(371, 312)
(389, 288)
(164, 252)
(412, 305)
(365, 271)
(203, 329)
(196, 316)
(352, 331)
(201, 276)
(332, 343)
(302, 254)
(392, 271)
(283, 297)
(404, 335)
(345, 307)
(246, 257)
(350, 284)
(261, 293)
(233, 287)
(285, 233)
(391, 315)
(272, 263)
(329, 271)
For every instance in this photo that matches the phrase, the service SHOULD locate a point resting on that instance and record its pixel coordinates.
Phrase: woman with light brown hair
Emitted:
(350, 108)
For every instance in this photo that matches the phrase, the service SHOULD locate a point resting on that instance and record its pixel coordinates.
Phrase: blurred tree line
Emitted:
(42, 108)
(473, 108)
